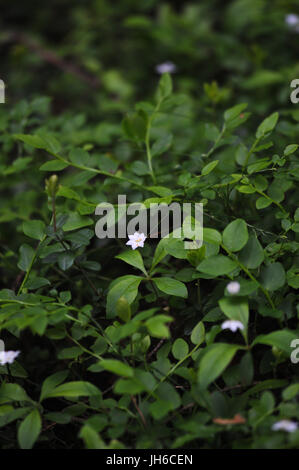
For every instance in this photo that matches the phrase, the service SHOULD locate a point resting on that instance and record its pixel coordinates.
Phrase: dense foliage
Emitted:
(123, 348)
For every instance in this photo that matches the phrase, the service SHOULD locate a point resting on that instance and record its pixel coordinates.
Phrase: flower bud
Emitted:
(52, 185)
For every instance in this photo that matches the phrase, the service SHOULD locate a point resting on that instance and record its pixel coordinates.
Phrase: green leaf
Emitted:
(267, 125)
(126, 287)
(91, 438)
(291, 392)
(51, 143)
(18, 165)
(217, 265)
(34, 229)
(156, 326)
(281, 339)
(235, 235)
(70, 353)
(128, 386)
(45, 142)
(12, 392)
(235, 308)
(211, 132)
(167, 393)
(273, 276)
(15, 370)
(209, 167)
(74, 389)
(54, 165)
(68, 193)
(7, 418)
(123, 309)
(252, 255)
(29, 430)
(210, 235)
(265, 385)
(65, 260)
(117, 367)
(161, 145)
(133, 258)
(26, 257)
(34, 140)
(214, 362)
(262, 202)
(79, 157)
(180, 349)
(171, 286)
(290, 149)
(246, 189)
(258, 166)
(36, 282)
(196, 256)
(134, 126)
(51, 382)
(76, 221)
(262, 78)
(161, 191)
(234, 112)
(175, 247)
(159, 254)
(198, 334)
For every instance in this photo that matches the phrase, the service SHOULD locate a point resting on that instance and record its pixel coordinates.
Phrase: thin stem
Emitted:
(54, 212)
(30, 267)
(149, 154)
(171, 371)
(252, 149)
(215, 145)
(139, 410)
(99, 172)
(83, 348)
(147, 140)
(270, 199)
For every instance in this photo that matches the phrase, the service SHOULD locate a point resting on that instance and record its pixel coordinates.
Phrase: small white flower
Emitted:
(232, 325)
(136, 240)
(285, 425)
(233, 287)
(292, 19)
(166, 67)
(7, 357)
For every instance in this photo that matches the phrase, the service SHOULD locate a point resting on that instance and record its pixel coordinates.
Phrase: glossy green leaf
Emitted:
(267, 125)
(171, 286)
(126, 287)
(134, 258)
(217, 265)
(29, 430)
(214, 361)
(235, 235)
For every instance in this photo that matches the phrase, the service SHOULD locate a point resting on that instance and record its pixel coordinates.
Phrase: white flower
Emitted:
(7, 357)
(233, 287)
(285, 425)
(136, 240)
(292, 19)
(232, 325)
(166, 67)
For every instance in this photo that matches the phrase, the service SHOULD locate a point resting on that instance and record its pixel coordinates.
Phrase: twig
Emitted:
(18, 281)
(227, 389)
(139, 411)
(155, 349)
(52, 58)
